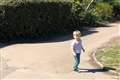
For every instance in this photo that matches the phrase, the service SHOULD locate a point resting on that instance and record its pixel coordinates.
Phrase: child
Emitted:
(76, 48)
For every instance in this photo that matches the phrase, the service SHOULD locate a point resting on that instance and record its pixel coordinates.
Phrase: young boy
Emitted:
(76, 48)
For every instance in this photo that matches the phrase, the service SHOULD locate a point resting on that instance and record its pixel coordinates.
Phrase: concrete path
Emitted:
(54, 60)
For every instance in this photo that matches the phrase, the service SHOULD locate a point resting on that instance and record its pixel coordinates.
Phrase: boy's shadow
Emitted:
(104, 69)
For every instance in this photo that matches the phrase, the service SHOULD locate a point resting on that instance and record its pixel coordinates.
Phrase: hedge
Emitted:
(42, 20)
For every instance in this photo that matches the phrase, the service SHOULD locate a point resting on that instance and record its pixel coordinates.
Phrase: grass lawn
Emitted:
(109, 55)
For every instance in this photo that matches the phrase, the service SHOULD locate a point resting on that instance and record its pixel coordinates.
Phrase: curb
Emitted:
(98, 63)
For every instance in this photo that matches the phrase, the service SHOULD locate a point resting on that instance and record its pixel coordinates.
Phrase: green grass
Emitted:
(109, 56)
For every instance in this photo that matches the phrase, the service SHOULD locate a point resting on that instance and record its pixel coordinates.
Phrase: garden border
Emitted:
(98, 63)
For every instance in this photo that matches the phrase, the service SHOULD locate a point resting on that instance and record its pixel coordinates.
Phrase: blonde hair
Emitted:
(76, 33)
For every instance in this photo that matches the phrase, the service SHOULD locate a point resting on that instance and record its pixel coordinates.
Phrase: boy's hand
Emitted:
(74, 54)
(83, 50)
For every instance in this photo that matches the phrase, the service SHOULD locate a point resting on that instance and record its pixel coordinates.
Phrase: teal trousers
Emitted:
(76, 61)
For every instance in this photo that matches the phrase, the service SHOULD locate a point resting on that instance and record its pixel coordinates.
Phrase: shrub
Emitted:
(90, 19)
(103, 11)
(116, 8)
(28, 20)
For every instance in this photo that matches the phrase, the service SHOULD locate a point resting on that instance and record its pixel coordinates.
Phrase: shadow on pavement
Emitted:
(50, 40)
(104, 69)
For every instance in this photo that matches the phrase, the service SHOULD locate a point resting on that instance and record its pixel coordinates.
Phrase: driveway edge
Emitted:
(99, 64)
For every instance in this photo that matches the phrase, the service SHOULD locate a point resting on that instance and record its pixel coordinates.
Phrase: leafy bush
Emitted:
(103, 11)
(90, 19)
(28, 20)
(116, 8)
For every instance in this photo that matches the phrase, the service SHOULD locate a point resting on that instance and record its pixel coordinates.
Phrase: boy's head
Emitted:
(76, 34)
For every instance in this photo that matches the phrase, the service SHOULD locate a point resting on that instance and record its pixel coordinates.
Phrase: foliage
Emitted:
(103, 11)
(116, 7)
(28, 20)
(48, 18)
(92, 11)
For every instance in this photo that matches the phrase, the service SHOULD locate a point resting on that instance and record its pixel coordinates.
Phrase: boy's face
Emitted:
(77, 36)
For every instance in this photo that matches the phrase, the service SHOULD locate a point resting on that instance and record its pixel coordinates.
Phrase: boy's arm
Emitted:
(72, 49)
(82, 46)
(83, 49)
